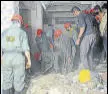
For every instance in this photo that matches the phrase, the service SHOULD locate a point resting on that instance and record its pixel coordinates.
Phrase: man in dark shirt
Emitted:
(86, 37)
(102, 14)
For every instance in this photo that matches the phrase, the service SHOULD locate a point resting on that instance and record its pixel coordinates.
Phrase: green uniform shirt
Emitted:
(14, 39)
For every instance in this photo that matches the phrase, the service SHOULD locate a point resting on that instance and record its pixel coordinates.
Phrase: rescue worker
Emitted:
(46, 54)
(98, 47)
(62, 47)
(103, 26)
(15, 48)
(102, 15)
(72, 34)
(86, 37)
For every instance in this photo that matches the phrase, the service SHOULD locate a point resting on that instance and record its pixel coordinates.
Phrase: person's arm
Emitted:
(26, 49)
(82, 26)
(81, 32)
(27, 54)
(103, 24)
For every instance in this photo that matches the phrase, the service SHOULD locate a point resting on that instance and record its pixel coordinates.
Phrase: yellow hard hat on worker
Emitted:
(84, 76)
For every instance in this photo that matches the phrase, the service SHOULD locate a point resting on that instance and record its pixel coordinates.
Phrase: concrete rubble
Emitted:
(66, 84)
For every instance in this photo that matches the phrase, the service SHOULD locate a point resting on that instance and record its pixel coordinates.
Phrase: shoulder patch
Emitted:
(10, 38)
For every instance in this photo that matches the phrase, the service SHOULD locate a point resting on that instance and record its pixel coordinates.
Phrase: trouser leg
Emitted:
(102, 55)
(64, 65)
(42, 65)
(105, 44)
(91, 65)
(46, 63)
(6, 91)
(43, 62)
(61, 62)
(7, 73)
(56, 62)
(91, 60)
(19, 75)
(101, 50)
(87, 45)
(76, 58)
(69, 65)
(90, 54)
(84, 48)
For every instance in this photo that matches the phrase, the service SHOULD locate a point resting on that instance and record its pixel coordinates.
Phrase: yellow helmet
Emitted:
(84, 76)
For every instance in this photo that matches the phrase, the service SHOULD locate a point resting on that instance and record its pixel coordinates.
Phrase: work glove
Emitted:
(51, 45)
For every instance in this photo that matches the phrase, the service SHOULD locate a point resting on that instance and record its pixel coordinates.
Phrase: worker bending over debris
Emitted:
(62, 47)
(46, 54)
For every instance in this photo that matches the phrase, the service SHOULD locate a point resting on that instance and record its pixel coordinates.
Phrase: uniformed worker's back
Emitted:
(12, 39)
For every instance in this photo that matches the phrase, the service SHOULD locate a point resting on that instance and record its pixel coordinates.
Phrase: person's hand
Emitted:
(77, 41)
(69, 60)
(51, 45)
(98, 18)
(28, 65)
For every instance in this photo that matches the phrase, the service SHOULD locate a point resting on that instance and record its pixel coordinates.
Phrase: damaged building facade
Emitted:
(50, 16)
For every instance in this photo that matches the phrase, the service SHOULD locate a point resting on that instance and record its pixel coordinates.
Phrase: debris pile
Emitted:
(65, 84)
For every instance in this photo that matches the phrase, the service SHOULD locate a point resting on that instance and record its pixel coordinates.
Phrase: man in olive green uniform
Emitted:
(14, 43)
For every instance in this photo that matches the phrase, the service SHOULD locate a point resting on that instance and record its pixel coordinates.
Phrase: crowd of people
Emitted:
(58, 51)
